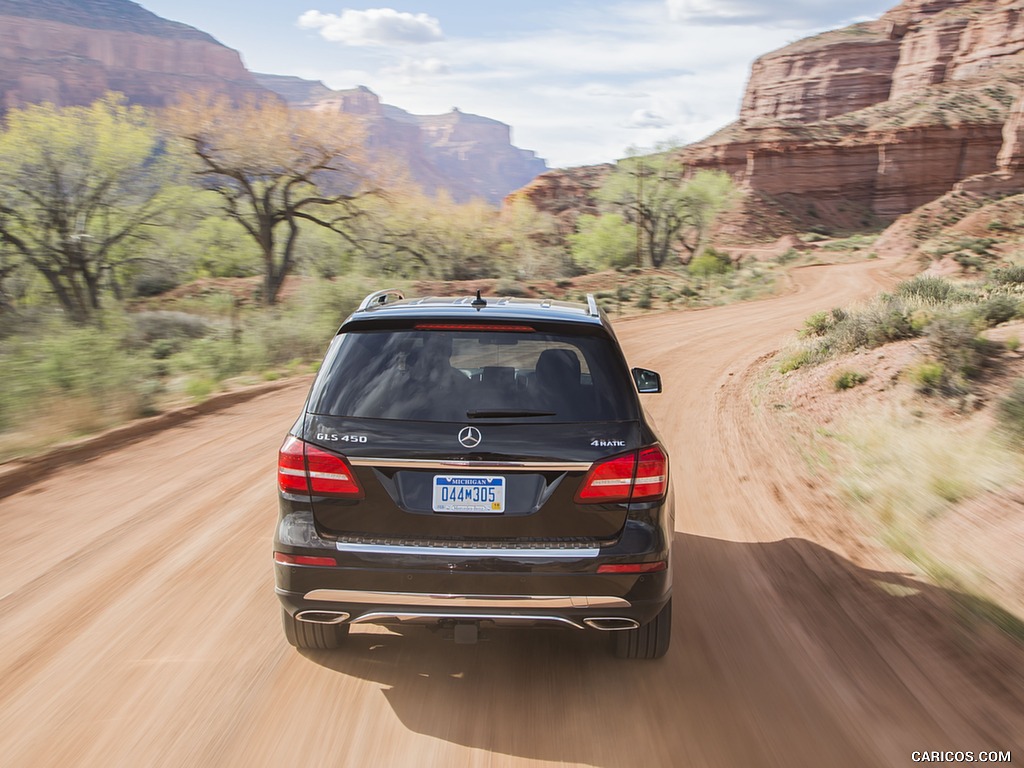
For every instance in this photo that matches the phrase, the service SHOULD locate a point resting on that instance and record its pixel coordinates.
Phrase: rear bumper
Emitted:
(517, 590)
(376, 583)
(604, 612)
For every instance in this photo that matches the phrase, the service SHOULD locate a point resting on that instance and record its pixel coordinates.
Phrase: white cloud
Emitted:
(595, 79)
(799, 14)
(376, 26)
(645, 118)
(417, 70)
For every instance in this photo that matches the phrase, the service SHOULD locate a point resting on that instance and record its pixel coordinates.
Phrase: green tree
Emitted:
(412, 234)
(77, 186)
(653, 193)
(605, 241)
(275, 168)
(531, 244)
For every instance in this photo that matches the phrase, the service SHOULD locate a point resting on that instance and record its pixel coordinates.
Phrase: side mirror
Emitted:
(647, 382)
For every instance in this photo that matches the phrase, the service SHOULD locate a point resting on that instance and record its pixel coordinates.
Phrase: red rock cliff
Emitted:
(47, 59)
(872, 121)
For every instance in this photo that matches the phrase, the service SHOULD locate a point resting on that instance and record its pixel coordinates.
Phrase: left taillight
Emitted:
(307, 469)
(635, 476)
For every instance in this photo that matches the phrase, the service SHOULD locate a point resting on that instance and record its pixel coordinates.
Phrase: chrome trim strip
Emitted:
(427, 600)
(339, 617)
(378, 616)
(537, 466)
(525, 552)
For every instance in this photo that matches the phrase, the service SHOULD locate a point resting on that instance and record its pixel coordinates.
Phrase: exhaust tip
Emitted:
(611, 623)
(322, 617)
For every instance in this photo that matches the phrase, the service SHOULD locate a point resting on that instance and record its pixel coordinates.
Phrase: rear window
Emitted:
(458, 375)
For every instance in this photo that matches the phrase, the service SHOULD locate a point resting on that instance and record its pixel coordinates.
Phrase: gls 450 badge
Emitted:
(608, 443)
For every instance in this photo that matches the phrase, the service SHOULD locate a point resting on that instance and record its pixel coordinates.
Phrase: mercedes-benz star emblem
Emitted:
(470, 437)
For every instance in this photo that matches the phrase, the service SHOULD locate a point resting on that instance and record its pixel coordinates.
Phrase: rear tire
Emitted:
(314, 637)
(649, 641)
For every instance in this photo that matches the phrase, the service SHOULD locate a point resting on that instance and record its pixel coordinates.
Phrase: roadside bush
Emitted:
(643, 301)
(818, 324)
(86, 373)
(953, 342)
(1011, 414)
(798, 359)
(711, 262)
(930, 289)
(848, 379)
(162, 324)
(509, 288)
(153, 283)
(1012, 275)
(927, 377)
(997, 309)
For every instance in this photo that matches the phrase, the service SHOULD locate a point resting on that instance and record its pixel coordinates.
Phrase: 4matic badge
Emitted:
(597, 443)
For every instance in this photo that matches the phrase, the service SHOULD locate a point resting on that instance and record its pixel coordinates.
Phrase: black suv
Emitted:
(465, 462)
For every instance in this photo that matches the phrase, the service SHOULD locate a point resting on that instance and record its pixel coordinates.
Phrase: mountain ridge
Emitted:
(71, 52)
(113, 15)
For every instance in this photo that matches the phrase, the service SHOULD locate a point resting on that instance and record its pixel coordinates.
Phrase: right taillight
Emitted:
(306, 469)
(635, 476)
(651, 474)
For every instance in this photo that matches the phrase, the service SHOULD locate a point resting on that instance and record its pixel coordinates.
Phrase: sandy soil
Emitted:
(138, 624)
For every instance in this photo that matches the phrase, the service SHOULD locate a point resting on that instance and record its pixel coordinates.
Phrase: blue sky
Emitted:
(579, 82)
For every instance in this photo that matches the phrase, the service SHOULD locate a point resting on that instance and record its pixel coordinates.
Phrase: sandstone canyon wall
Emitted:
(71, 53)
(857, 126)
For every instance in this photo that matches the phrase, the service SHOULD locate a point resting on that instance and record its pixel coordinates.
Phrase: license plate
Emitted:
(472, 494)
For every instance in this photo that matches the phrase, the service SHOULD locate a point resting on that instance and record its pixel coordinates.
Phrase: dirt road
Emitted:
(138, 623)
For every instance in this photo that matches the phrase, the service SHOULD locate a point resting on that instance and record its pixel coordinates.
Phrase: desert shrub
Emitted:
(848, 379)
(154, 282)
(980, 246)
(511, 288)
(934, 290)
(87, 370)
(998, 308)
(711, 262)
(645, 297)
(927, 376)
(798, 359)
(1012, 275)
(818, 324)
(1013, 343)
(162, 324)
(953, 342)
(790, 254)
(919, 320)
(885, 319)
(888, 321)
(1011, 414)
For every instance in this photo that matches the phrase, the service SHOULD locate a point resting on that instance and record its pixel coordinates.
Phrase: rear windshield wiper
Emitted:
(498, 413)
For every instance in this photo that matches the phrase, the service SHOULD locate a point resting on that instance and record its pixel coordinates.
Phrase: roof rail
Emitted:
(592, 306)
(379, 297)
